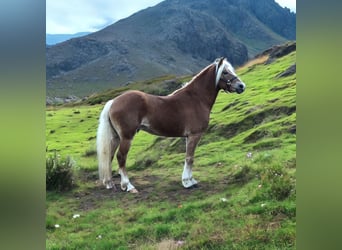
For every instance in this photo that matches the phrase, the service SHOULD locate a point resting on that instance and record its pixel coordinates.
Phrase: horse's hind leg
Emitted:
(191, 144)
(114, 145)
(121, 157)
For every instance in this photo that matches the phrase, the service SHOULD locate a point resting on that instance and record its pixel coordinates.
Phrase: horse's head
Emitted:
(226, 78)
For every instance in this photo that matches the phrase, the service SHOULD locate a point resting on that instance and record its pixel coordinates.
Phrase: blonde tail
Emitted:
(105, 146)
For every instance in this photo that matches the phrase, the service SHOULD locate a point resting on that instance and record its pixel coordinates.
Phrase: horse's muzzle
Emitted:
(240, 88)
(239, 91)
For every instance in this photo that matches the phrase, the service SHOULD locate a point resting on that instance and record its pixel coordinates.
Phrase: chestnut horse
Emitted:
(184, 113)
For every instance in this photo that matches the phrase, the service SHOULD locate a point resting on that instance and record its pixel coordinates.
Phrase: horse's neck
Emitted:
(204, 86)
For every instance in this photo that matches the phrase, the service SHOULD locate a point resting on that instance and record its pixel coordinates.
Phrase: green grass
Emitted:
(242, 202)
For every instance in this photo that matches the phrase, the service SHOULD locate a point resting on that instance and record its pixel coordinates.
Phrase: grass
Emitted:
(245, 165)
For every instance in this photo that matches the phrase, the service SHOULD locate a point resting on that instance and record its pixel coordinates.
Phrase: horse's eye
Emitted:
(225, 72)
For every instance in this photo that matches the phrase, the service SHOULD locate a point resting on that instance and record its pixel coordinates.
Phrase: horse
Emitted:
(183, 113)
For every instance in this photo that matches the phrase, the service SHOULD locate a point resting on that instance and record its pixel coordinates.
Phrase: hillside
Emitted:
(52, 39)
(171, 38)
(245, 165)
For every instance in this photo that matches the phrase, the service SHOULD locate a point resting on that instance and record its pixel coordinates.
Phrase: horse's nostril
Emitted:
(241, 86)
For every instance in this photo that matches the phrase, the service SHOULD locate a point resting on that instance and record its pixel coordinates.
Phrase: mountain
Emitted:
(172, 38)
(52, 39)
(245, 164)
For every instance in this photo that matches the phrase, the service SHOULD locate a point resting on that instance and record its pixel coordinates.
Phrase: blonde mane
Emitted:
(192, 80)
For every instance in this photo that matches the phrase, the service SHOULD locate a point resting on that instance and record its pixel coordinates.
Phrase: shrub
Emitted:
(59, 173)
(276, 183)
(280, 182)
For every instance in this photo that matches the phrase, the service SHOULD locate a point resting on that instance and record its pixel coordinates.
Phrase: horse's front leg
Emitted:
(121, 157)
(191, 143)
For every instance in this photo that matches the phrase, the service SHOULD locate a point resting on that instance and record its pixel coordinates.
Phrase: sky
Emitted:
(73, 16)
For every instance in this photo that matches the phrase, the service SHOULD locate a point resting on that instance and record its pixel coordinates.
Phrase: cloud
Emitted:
(72, 16)
(291, 4)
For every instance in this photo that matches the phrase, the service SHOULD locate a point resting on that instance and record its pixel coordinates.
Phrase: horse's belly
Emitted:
(162, 128)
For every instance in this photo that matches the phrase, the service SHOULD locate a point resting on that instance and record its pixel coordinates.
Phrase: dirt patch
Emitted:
(288, 85)
(256, 135)
(289, 71)
(231, 105)
(152, 188)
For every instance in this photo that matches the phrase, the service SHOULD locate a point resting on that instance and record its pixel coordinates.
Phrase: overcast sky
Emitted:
(73, 16)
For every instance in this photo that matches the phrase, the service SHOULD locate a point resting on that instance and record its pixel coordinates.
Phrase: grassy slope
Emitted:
(259, 210)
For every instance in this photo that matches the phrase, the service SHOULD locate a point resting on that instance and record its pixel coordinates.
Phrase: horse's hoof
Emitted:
(129, 188)
(195, 185)
(189, 183)
(192, 187)
(133, 191)
(110, 185)
(194, 182)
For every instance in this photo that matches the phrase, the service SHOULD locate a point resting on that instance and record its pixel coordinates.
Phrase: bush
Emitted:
(59, 173)
(276, 184)
(280, 182)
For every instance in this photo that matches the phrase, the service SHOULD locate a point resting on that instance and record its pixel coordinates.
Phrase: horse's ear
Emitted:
(219, 60)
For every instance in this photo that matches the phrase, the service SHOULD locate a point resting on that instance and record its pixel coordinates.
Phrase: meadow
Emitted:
(245, 164)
